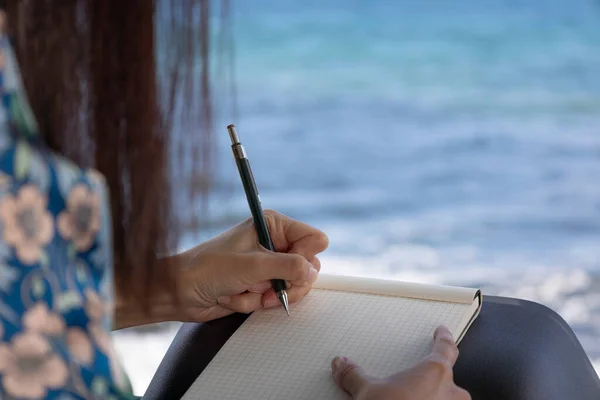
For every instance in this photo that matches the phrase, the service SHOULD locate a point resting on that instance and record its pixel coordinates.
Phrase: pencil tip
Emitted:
(283, 297)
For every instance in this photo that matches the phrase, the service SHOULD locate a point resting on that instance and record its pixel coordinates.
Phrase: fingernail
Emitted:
(312, 275)
(440, 329)
(337, 363)
(224, 300)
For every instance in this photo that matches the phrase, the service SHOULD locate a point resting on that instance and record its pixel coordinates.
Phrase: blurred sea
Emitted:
(453, 142)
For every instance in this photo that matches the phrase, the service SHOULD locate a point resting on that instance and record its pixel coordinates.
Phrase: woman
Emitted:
(86, 98)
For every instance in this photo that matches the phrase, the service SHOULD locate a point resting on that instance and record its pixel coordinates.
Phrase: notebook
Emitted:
(385, 326)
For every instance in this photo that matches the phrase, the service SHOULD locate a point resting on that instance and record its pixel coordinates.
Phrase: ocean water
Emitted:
(453, 142)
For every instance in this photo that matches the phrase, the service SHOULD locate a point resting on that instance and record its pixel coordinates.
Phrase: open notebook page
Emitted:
(273, 357)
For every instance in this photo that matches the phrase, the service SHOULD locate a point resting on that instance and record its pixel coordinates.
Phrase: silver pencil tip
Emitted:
(283, 297)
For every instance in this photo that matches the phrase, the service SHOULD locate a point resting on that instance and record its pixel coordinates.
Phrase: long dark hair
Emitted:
(108, 81)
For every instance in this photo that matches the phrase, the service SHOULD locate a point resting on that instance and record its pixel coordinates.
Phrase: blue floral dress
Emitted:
(56, 285)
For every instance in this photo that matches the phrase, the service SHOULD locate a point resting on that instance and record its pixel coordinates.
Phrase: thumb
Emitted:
(349, 376)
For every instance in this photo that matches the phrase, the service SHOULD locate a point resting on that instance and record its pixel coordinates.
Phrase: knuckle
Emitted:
(271, 217)
(297, 266)
(323, 239)
(438, 365)
(447, 346)
(346, 372)
(316, 263)
(270, 212)
(453, 352)
(446, 340)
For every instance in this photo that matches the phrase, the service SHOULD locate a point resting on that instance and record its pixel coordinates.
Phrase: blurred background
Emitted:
(441, 141)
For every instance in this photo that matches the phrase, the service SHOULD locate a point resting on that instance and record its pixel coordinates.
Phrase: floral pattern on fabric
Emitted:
(56, 286)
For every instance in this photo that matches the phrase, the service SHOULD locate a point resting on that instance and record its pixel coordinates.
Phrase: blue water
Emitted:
(458, 140)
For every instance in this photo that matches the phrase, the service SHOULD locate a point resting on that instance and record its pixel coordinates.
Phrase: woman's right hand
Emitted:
(432, 379)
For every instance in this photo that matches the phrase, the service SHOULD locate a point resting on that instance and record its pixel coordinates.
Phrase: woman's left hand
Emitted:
(232, 272)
